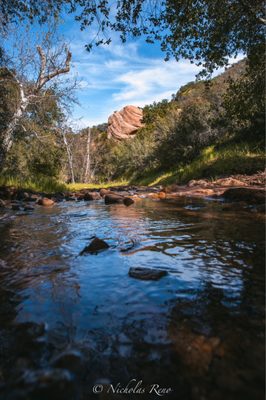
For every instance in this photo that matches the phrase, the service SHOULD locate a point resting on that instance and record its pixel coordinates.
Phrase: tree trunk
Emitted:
(69, 157)
(87, 169)
(7, 135)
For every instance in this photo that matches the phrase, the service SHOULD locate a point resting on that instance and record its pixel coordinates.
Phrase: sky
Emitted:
(113, 76)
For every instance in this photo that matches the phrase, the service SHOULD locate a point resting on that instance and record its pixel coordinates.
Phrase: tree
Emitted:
(31, 86)
(207, 32)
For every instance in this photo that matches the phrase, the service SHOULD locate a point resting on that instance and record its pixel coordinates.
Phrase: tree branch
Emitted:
(43, 79)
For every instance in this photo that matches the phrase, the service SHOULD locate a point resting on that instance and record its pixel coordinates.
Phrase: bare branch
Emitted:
(43, 79)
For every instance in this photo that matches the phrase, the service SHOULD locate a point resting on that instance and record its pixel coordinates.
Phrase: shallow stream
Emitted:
(198, 331)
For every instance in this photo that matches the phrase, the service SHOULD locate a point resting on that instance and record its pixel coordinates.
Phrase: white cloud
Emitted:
(120, 74)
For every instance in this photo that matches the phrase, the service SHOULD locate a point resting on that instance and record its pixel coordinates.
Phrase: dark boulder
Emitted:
(128, 201)
(95, 246)
(113, 199)
(146, 274)
(249, 195)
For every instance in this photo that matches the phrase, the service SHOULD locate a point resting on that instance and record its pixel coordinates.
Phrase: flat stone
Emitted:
(146, 274)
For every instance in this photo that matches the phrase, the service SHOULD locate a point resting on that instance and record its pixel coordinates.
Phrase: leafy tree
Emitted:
(204, 31)
(28, 84)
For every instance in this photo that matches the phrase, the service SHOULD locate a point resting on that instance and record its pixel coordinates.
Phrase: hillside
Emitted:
(196, 134)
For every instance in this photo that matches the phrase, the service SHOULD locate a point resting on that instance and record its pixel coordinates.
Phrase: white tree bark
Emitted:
(29, 98)
(87, 167)
(69, 156)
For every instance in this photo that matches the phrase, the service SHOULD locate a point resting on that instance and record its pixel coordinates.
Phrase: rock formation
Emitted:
(124, 123)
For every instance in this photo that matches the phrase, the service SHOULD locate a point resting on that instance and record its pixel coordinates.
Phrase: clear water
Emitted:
(128, 328)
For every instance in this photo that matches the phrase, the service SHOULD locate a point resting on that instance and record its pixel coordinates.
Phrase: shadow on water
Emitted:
(68, 322)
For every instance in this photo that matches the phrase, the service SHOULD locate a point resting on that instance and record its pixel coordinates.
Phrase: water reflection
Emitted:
(211, 302)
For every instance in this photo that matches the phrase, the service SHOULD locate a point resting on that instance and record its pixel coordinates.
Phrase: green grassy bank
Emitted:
(211, 164)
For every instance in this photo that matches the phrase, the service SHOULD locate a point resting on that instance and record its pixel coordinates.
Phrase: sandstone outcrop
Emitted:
(124, 123)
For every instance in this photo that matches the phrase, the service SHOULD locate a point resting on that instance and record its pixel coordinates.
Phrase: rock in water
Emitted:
(128, 201)
(91, 196)
(71, 360)
(95, 246)
(146, 274)
(103, 192)
(249, 195)
(113, 198)
(124, 123)
(45, 202)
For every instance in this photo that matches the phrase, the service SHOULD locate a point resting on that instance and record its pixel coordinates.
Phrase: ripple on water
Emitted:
(214, 265)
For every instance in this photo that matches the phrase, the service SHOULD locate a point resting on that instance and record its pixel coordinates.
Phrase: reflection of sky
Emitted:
(94, 291)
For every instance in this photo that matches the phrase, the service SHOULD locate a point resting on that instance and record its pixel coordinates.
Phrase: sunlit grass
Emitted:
(79, 186)
(36, 184)
(211, 164)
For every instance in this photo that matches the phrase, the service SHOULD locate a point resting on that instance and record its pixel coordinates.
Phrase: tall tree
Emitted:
(33, 73)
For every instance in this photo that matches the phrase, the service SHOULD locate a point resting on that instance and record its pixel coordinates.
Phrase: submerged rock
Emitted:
(71, 360)
(45, 202)
(95, 246)
(195, 350)
(48, 384)
(146, 274)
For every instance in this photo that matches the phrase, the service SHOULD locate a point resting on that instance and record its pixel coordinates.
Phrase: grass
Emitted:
(37, 184)
(211, 164)
(79, 186)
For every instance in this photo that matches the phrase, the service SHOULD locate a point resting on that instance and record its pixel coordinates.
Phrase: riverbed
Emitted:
(198, 331)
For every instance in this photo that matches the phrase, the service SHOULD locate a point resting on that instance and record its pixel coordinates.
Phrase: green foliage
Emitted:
(36, 183)
(244, 101)
(35, 156)
(207, 32)
(177, 132)
(213, 162)
(9, 96)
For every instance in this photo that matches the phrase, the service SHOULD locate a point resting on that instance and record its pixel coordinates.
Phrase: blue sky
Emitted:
(111, 77)
(116, 75)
